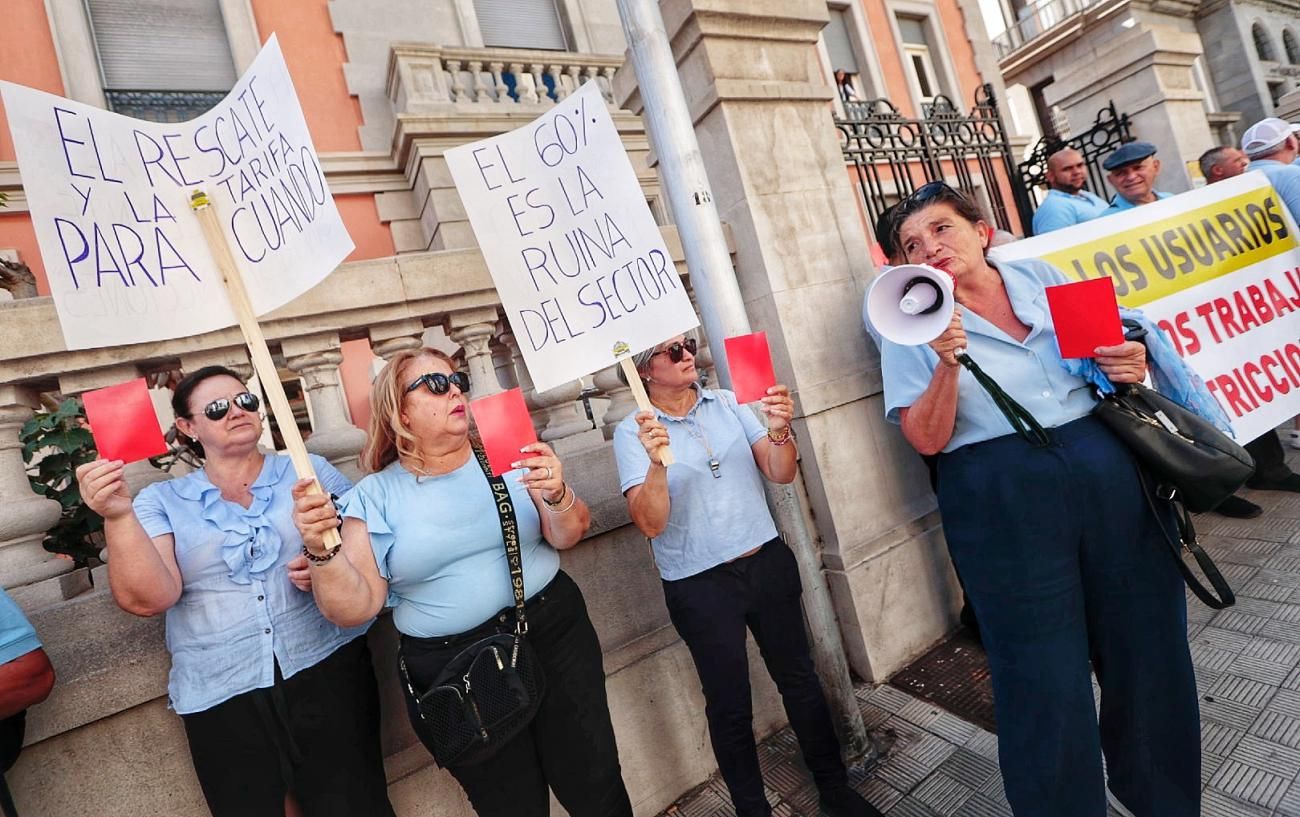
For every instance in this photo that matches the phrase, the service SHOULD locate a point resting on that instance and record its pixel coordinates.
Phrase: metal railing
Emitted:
(1035, 19)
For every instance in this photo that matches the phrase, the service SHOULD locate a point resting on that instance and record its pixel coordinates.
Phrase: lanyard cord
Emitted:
(1024, 423)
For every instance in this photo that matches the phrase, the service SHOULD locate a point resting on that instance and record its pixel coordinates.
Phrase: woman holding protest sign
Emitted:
(723, 566)
(433, 535)
(1060, 553)
(276, 700)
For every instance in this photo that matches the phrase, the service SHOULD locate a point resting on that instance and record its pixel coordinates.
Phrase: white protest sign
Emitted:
(109, 199)
(1218, 269)
(573, 249)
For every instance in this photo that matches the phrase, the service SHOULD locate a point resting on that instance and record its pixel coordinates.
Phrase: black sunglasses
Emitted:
(928, 191)
(440, 383)
(674, 352)
(219, 408)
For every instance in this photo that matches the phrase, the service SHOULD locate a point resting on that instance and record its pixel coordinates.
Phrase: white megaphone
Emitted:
(911, 304)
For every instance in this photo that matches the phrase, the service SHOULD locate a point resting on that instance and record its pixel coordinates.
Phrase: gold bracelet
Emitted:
(778, 438)
(573, 500)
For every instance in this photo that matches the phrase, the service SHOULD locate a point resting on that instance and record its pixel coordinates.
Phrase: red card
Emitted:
(504, 426)
(750, 362)
(1086, 316)
(123, 422)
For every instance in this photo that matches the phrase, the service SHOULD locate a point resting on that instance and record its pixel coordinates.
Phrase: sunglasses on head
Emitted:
(676, 351)
(219, 408)
(930, 190)
(440, 383)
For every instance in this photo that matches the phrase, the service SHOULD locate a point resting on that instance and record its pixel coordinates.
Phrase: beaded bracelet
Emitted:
(322, 559)
(778, 438)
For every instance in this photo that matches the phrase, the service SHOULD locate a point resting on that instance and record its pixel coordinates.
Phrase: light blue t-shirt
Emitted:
(1060, 209)
(1031, 372)
(238, 613)
(712, 519)
(438, 543)
(17, 636)
(1119, 204)
(1285, 180)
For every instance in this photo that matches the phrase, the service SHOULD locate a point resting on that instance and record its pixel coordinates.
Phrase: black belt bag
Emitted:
(490, 691)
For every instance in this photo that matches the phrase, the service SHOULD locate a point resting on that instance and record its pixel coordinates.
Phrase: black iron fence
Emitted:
(891, 155)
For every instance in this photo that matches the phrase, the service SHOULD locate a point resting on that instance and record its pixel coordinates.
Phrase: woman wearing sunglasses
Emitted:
(275, 699)
(422, 534)
(1060, 554)
(724, 568)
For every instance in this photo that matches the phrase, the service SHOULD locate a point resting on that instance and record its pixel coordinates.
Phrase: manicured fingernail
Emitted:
(514, 465)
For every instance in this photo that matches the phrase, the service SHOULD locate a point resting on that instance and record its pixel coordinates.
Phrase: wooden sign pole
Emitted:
(257, 350)
(623, 353)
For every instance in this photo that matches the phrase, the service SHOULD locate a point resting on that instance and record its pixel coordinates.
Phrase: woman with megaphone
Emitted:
(1048, 525)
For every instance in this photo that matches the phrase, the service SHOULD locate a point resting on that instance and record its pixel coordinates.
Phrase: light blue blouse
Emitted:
(238, 613)
(1031, 372)
(437, 540)
(712, 519)
(17, 636)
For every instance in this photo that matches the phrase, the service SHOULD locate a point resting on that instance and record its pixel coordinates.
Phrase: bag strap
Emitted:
(1021, 420)
(510, 533)
(1187, 540)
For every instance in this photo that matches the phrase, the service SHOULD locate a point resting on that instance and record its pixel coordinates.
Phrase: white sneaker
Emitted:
(1291, 437)
(1116, 804)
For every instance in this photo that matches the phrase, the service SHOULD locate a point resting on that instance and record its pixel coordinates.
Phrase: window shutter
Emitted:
(162, 45)
(521, 24)
(839, 47)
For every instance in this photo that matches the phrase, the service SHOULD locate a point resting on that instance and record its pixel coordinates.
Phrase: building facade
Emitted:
(387, 86)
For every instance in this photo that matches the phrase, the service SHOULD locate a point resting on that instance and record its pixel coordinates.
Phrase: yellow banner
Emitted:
(1158, 259)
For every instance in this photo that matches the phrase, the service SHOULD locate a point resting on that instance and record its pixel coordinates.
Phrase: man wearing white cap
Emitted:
(1271, 145)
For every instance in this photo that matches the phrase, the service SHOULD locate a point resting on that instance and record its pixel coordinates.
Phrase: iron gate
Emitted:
(1109, 130)
(892, 155)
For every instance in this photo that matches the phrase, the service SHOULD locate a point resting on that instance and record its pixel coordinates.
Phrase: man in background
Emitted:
(1222, 162)
(1132, 171)
(1067, 202)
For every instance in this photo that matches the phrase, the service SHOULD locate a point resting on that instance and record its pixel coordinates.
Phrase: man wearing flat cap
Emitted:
(1271, 145)
(1132, 171)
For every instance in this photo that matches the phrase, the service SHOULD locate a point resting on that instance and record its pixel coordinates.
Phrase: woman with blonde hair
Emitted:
(423, 534)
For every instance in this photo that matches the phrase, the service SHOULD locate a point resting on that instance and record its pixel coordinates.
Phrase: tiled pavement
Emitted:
(934, 764)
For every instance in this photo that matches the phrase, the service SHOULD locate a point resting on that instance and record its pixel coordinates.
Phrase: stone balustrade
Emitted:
(389, 301)
(424, 79)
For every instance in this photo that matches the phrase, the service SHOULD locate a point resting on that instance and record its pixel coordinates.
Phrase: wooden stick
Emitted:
(257, 350)
(666, 457)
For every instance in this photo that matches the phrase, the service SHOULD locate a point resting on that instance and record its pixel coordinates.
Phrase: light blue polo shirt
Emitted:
(17, 636)
(1060, 209)
(438, 543)
(712, 519)
(1285, 180)
(1119, 204)
(1031, 372)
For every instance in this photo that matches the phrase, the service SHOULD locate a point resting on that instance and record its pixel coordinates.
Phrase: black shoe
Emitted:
(843, 801)
(1238, 508)
(1291, 482)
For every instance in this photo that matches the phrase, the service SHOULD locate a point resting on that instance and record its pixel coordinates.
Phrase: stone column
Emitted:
(27, 516)
(386, 340)
(621, 401)
(777, 176)
(474, 330)
(333, 436)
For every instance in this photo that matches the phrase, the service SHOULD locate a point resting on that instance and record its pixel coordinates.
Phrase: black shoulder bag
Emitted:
(1187, 463)
(490, 690)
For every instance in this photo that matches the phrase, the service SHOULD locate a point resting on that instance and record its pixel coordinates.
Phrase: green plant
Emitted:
(54, 444)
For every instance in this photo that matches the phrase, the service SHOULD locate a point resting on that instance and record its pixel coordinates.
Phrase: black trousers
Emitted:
(711, 611)
(569, 747)
(1270, 459)
(315, 735)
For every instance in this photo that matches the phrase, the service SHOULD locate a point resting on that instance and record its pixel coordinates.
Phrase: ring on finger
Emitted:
(549, 472)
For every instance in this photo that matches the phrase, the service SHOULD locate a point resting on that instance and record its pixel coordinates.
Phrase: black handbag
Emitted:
(1179, 448)
(490, 690)
(1193, 466)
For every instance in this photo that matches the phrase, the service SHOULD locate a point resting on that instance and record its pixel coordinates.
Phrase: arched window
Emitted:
(1263, 45)
(1291, 45)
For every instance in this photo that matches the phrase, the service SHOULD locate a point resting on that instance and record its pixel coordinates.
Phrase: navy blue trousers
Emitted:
(1066, 568)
